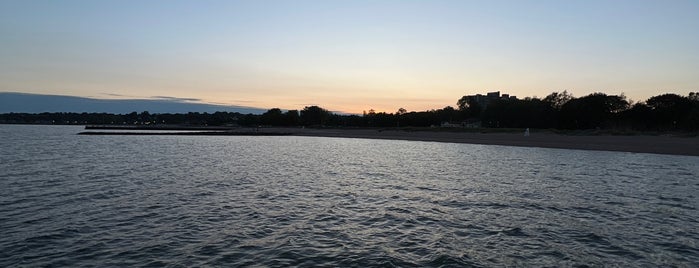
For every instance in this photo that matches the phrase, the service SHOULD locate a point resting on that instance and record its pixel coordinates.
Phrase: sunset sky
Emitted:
(348, 56)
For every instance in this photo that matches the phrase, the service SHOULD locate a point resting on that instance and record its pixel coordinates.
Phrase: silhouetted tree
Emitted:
(314, 115)
(469, 107)
(131, 118)
(527, 113)
(638, 117)
(447, 114)
(557, 100)
(292, 118)
(592, 111)
(598, 110)
(693, 96)
(670, 111)
(273, 117)
(381, 119)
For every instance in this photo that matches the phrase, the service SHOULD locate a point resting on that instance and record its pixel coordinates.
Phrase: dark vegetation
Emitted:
(559, 110)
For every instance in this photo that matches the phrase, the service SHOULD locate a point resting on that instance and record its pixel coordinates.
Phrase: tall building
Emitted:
(484, 100)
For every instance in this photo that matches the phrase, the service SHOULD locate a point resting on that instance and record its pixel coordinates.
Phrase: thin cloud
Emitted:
(114, 95)
(120, 95)
(234, 101)
(168, 98)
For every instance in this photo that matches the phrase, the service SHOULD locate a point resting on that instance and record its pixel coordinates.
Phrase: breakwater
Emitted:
(189, 133)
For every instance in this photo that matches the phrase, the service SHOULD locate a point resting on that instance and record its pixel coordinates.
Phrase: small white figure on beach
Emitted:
(526, 132)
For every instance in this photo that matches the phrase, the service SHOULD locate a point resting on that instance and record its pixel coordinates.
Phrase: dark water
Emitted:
(68, 200)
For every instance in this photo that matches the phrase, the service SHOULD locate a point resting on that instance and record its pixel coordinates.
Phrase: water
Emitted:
(179, 201)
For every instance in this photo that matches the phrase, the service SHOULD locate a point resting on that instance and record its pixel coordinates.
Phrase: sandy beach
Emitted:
(660, 144)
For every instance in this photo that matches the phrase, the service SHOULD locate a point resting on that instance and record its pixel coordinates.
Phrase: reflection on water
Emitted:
(74, 200)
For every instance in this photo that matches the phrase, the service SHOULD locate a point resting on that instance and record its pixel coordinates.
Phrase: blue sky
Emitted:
(347, 55)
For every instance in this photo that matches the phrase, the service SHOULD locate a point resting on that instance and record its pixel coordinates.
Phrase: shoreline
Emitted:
(185, 133)
(656, 144)
(672, 145)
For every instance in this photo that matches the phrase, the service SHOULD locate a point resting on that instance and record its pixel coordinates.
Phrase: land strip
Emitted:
(658, 144)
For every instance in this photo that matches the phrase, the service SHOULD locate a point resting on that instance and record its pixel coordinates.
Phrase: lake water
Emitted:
(182, 201)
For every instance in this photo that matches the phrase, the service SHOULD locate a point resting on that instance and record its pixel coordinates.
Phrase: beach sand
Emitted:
(660, 144)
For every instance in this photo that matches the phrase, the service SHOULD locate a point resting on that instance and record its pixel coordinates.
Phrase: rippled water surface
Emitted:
(69, 200)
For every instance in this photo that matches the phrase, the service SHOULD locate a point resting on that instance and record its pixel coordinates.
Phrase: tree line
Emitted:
(557, 110)
(596, 111)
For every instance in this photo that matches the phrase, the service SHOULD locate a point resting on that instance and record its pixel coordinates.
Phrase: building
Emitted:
(484, 100)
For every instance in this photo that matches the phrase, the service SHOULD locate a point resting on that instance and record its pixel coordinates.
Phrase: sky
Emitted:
(348, 56)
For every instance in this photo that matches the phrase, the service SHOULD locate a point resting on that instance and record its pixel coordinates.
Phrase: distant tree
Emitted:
(222, 118)
(292, 118)
(420, 119)
(249, 120)
(381, 119)
(592, 111)
(314, 115)
(598, 110)
(352, 120)
(399, 115)
(693, 118)
(557, 100)
(462, 103)
(668, 101)
(469, 107)
(671, 111)
(693, 96)
(272, 117)
(638, 117)
(131, 118)
(144, 117)
(447, 114)
(526, 113)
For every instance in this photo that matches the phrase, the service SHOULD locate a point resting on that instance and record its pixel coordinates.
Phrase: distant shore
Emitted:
(156, 127)
(185, 133)
(660, 144)
(640, 143)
